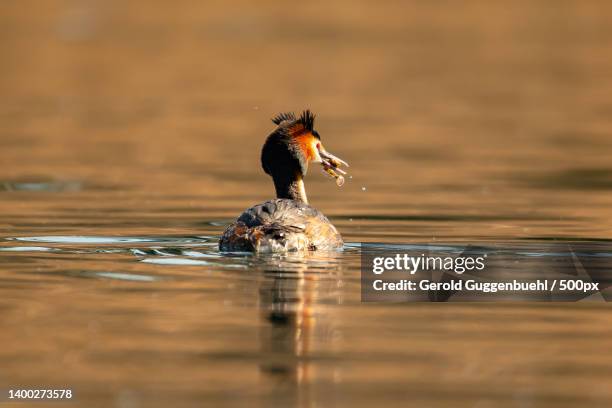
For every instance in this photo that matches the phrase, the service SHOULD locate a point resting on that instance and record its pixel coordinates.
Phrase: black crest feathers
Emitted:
(281, 117)
(306, 119)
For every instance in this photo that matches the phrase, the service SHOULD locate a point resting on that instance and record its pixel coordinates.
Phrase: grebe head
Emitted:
(288, 151)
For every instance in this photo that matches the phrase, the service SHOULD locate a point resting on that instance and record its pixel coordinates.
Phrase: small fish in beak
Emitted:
(331, 165)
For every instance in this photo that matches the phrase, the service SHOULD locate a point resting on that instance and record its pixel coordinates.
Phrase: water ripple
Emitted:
(78, 239)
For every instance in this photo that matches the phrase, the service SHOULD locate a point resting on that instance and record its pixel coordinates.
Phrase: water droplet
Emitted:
(363, 189)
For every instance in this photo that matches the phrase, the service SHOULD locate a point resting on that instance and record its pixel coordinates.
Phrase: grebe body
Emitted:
(281, 225)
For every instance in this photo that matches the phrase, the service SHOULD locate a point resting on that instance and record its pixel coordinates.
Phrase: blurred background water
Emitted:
(130, 135)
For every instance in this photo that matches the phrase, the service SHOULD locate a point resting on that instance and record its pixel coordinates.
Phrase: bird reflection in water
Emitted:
(295, 324)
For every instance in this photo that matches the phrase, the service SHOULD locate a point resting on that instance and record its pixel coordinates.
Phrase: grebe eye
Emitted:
(318, 146)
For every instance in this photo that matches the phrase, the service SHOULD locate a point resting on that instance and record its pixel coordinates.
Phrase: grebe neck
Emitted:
(291, 187)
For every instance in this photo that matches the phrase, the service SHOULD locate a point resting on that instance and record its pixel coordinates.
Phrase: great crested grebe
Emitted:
(288, 223)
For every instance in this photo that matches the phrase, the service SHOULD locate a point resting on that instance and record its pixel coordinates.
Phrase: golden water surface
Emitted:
(130, 135)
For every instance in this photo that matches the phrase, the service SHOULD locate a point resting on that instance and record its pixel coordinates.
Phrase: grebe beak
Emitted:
(331, 165)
